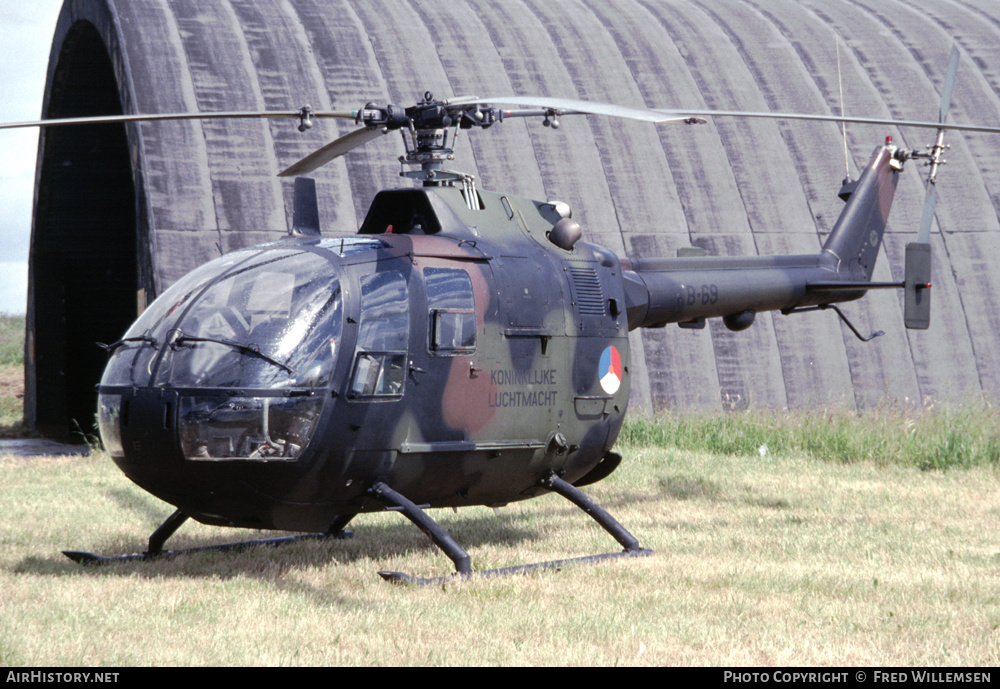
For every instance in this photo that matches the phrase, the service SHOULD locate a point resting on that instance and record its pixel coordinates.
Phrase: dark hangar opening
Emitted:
(83, 263)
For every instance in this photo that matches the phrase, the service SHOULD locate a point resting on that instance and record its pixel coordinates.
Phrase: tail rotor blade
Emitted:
(949, 84)
(930, 204)
(917, 270)
(917, 273)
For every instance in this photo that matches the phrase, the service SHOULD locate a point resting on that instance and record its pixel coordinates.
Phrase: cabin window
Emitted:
(380, 364)
(452, 310)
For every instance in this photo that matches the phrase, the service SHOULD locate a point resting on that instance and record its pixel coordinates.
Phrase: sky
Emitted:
(26, 30)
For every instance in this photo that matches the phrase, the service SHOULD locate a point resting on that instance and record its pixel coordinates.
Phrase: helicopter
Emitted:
(465, 347)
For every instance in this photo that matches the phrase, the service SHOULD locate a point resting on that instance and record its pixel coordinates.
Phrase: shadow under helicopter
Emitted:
(379, 541)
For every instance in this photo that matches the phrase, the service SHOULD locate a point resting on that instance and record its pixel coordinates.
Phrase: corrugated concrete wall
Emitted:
(732, 187)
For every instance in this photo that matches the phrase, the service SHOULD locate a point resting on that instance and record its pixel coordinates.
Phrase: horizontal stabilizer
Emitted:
(917, 305)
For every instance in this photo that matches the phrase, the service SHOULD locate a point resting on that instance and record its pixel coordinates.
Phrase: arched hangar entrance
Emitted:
(83, 258)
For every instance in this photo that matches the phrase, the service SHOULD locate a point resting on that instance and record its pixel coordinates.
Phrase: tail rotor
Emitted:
(917, 302)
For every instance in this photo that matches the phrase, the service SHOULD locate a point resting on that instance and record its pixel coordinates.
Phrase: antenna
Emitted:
(843, 125)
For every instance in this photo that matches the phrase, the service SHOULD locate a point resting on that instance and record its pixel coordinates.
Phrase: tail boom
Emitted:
(687, 290)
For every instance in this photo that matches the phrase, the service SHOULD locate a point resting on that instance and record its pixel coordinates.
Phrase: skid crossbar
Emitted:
(174, 521)
(463, 566)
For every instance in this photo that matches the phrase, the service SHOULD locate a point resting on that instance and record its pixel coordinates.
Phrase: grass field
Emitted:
(11, 340)
(758, 561)
(852, 539)
(11, 374)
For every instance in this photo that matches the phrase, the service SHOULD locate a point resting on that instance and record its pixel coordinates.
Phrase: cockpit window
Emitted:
(131, 362)
(254, 428)
(273, 321)
(379, 368)
(226, 336)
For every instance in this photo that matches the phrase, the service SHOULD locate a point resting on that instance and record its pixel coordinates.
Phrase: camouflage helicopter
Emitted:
(463, 348)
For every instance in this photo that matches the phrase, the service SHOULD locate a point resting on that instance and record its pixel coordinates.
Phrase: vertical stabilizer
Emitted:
(857, 235)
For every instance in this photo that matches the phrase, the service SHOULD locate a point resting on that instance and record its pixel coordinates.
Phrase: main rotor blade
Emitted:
(835, 118)
(334, 149)
(110, 119)
(660, 116)
(569, 106)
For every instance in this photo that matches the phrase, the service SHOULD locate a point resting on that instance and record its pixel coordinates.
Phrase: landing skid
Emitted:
(401, 578)
(463, 566)
(166, 530)
(413, 512)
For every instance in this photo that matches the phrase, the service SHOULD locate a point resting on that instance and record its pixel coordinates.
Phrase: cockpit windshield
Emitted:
(229, 338)
(250, 320)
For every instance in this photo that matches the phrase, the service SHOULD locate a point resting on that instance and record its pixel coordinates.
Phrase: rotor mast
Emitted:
(430, 145)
